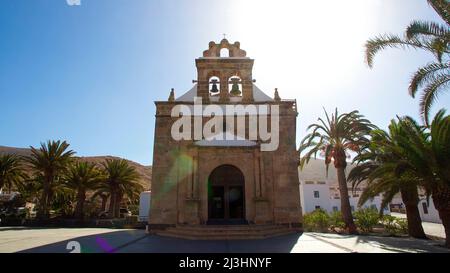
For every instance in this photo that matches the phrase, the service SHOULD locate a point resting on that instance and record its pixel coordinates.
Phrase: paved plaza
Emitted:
(100, 240)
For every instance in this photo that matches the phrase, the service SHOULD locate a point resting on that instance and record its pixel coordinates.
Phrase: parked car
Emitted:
(9, 214)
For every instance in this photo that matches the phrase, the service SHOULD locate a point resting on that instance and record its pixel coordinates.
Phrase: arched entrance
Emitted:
(226, 195)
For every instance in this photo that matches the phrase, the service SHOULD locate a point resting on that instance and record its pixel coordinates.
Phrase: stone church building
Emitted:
(228, 180)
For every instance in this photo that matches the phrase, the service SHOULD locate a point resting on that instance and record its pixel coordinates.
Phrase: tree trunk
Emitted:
(345, 202)
(410, 198)
(104, 200)
(441, 200)
(42, 213)
(119, 198)
(445, 217)
(79, 209)
(42, 206)
(112, 205)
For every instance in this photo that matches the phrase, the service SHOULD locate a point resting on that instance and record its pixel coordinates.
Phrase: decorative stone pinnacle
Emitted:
(172, 95)
(276, 96)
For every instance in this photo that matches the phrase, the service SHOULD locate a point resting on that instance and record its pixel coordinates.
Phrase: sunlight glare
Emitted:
(324, 47)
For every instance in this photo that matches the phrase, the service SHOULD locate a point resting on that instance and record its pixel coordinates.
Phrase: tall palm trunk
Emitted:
(345, 202)
(410, 198)
(112, 205)
(43, 212)
(445, 217)
(79, 209)
(104, 201)
(119, 198)
(441, 200)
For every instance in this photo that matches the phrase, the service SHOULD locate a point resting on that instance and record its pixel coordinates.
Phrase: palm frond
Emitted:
(426, 74)
(417, 28)
(442, 7)
(374, 45)
(430, 94)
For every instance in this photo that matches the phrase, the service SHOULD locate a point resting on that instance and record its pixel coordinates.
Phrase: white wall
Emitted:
(432, 215)
(309, 202)
(375, 203)
(327, 200)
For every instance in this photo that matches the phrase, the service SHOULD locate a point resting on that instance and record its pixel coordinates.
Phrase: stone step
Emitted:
(223, 237)
(226, 233)
(228, 228)
(224, 230)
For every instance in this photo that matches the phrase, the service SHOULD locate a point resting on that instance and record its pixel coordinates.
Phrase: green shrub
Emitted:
(394, 225)
(389, 224)
(366, 219)
(403, 225)
(336, 220)
(317, 220)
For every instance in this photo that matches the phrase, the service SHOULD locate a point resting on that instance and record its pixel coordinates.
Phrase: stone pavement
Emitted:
(16, 239)
(381, 244)
(51, 240)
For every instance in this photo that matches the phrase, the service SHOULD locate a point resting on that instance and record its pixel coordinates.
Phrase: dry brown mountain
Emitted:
(144, 171)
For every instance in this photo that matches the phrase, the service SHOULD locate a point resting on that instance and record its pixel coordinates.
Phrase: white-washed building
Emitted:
(319, 190)
(428, 213)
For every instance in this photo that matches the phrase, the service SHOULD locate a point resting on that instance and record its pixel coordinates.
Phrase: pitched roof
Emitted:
(258, 95)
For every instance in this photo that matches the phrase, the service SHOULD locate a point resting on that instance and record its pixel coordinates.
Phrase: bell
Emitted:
(214, 88)
(235, 88)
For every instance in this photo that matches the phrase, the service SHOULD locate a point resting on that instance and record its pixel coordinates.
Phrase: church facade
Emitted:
(242, 172)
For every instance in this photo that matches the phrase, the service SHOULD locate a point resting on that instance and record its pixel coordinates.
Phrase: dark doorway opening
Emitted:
(226, 196)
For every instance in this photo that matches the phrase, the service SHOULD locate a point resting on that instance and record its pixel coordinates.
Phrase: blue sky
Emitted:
(89, 74)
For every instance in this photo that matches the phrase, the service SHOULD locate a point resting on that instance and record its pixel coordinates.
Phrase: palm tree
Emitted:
(381, 165)
(103, 193)
(334, 138)
(121, 179)
(433, 78)
(81, 177)
(429, 159)
(11, 171)
(49, 163)
(62, 199)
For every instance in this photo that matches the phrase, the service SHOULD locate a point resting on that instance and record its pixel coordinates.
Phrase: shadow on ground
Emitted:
(136, 241)
(363, 243)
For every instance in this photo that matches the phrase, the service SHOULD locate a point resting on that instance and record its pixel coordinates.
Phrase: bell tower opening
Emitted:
(214, 86)
(235, 86)
(224, 53)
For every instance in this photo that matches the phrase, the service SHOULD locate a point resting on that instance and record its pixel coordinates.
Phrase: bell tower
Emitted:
(224, 72)
(207, 174)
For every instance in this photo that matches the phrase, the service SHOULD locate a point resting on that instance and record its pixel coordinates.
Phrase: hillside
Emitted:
(144, 171)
